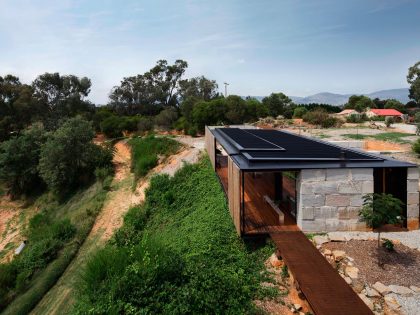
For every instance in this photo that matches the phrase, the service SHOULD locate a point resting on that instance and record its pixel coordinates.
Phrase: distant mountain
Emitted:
(341, 99)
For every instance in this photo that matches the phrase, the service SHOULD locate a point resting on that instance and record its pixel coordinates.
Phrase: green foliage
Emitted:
(320, 117)
(113, 126)
(356, 118)
(284, 272)
(277, 104)
(392, 136)
(395, 104)
(69, 158)
(19, 158)
(166, 118)
(413, 78)
(388, 245)
(381, 209)
(145, 152)
(359, 103)
(416, 147)
(355, 136)
(178, 253)
(389, 121)
(299, 112)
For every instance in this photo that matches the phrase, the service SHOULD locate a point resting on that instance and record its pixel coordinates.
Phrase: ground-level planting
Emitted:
(176, 253)
(54, 236)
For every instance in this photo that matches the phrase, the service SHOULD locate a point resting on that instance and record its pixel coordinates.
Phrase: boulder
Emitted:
(398, 289)
(337, 238)
(320, 239)
(352, 272)
(381, 288)
(327, 252)
(338, 255)
(348, 280)
(274, 261)
(372, 292)
(391, 302)
(415, 289)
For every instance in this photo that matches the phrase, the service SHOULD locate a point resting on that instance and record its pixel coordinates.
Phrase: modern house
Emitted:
(275, 179)
(383, 113)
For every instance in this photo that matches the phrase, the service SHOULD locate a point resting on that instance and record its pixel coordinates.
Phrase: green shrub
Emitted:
(63, 230)
(356, 118)
(177, 253)
(320, 117)
(389, 121)
(299, 112)
(388, 245)
(416, 147)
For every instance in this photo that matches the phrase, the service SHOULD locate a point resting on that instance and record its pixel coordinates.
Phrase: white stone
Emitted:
(367, 187)
(297, 307)
(413, 198)
(356, 201)
(362, 174)
(312, 175)
(308, 213)
(338, 255)
(412, 185)
(313, 200)
(372, 292)
(413, 211)
(367, 301)
(320, 239)
(327, 252)
(337, 238)
(415, 289)
(337, 200)
(381, 288)
(392, 302)
(337, 174)
(350, 187)
(352, 272)
(325, 188)
(413, 173)
(326, 212)
(398, 289)
(348, 280)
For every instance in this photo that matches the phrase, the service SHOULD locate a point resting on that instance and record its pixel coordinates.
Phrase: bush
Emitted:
(320, 117)
(69, 158)
(299, 112)
(388, 245)
(356, 118)
(144, 125)
(389, 121)
(166, 118)
(416, 147)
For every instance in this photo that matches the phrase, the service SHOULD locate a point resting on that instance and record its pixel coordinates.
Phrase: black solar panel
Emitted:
(273, 144)
(250, 142)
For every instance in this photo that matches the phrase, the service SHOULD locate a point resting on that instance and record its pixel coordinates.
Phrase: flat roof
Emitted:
(267, 149)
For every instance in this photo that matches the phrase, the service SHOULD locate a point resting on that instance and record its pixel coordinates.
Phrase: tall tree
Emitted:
(277, 103)
(359, 103)
(61, 96)
(199, 87)
(413, 78)
(149, 92)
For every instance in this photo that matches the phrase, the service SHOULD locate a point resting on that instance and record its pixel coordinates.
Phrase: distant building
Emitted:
(383, 113)
(347, 112)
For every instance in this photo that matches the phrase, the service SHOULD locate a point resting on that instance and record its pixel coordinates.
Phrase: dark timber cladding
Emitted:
(325, 290)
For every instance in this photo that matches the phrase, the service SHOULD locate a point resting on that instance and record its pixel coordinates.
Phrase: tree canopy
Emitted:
(277, 104)
(413, 78)
(359, 103)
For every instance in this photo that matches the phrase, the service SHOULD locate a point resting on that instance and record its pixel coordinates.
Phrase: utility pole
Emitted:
(226, 84)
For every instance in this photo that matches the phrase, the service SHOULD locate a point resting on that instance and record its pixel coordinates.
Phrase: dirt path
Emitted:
(60, 299)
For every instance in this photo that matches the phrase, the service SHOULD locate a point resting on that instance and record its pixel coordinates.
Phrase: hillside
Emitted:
(340, 99)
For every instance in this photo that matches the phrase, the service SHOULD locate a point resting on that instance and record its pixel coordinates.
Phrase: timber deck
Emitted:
(325, 290)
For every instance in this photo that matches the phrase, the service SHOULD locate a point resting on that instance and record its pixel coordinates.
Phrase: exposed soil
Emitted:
(400, 267)
(60, 298)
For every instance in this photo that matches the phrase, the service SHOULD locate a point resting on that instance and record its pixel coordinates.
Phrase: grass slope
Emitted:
(54, 237)
(177, 253)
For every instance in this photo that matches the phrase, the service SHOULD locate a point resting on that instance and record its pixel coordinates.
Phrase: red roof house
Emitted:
(383, 112)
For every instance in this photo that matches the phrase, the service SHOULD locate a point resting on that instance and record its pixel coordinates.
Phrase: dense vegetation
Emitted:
(177, 253)
(146, 152)
(53, 237)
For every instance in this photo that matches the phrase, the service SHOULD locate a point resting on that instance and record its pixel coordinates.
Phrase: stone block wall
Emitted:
(330, 199)
(413, 198)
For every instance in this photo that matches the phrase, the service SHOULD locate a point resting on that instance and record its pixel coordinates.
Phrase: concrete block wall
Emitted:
(330, 199)
(413, 198)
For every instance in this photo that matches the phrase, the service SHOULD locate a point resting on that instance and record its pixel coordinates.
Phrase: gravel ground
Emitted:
(410, 305)
(400, 267)
(410, 239)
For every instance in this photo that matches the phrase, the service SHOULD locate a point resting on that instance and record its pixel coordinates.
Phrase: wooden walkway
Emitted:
(325, 290)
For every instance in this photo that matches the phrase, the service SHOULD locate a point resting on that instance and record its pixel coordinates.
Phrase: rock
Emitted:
(415, 289)
(367, 301)
(372, 292)
(274, 261)
(350, 263)
(358, 286)
(348, 280)
(327, 252)
(320, 239)
(381, 288)
(352, 272)
(338, 254)
(391, 302)
(399, 289)
(350, 258)
(267, 284)
(337, 238)
(297, 307)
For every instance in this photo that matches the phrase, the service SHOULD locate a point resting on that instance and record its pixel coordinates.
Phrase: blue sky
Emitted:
(260, 46)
